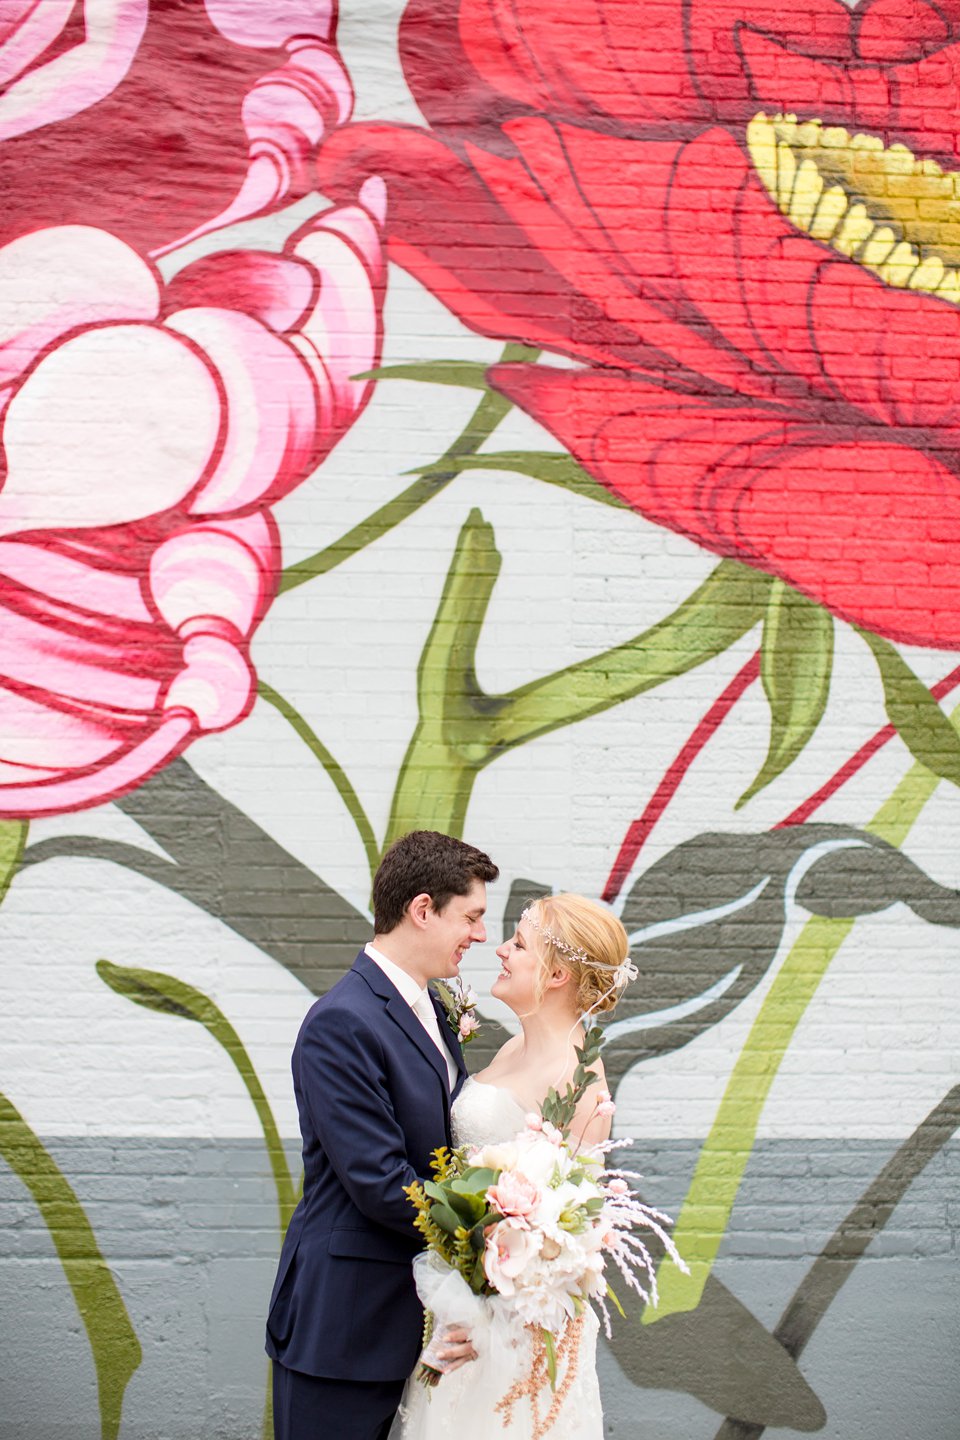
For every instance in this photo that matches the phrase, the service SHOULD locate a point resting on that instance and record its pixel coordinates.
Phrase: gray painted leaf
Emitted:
(522, 892)
(707, 919)
(796, 663)
(723, 1355)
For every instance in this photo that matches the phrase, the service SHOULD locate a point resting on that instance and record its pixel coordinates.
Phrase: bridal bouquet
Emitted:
(539, 1222)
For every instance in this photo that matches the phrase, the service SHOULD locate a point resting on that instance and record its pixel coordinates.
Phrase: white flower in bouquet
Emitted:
(510, 1247)
(547, 1306)
(503, 1156)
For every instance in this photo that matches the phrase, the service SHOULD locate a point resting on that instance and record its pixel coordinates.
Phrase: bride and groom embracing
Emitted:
(380, 1084)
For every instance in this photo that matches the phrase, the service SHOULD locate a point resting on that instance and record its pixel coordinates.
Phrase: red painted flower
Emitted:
(767, 311)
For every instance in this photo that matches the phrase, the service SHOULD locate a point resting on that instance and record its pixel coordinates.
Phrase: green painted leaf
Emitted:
(471, 374)
(560, 470)
(796, 663)
(721, 610)
(13, 838)
(334, 770)
(914, 714)
(490, 410)
(462, 728)
(166, 995)
(113, 1340)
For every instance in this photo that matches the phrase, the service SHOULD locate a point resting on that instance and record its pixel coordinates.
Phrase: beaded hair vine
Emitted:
(620, 974)
(565, 948)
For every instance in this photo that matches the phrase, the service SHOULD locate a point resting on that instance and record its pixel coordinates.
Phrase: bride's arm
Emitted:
(591, 1123)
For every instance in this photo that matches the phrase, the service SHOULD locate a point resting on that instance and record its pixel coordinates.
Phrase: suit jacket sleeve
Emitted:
(344, 1081)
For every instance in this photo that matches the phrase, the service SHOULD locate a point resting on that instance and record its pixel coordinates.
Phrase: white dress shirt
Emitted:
(418, 998)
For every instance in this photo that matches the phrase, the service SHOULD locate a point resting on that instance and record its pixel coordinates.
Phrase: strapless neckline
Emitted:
(502, 1090)
(485, 1114)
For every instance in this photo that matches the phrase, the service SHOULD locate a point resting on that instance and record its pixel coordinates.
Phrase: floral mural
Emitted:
(590, 393)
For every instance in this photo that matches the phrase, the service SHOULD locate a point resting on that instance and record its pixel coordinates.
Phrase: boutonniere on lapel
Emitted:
(459, 1002)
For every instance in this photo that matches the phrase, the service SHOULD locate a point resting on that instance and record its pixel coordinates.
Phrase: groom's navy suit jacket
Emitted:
(374, 1103)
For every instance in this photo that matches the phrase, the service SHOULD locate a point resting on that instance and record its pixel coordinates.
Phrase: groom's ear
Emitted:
(419, 909)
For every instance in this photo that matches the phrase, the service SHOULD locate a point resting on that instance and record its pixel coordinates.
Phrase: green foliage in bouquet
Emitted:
(452, 1214)
(559, 1109)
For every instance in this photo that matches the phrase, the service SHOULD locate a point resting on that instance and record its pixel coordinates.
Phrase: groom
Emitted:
(375, 1069)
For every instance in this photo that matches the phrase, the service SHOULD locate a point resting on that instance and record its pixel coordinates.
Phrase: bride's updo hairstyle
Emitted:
(588, 942)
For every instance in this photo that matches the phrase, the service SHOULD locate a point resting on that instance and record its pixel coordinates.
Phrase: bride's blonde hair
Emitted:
(585, 939)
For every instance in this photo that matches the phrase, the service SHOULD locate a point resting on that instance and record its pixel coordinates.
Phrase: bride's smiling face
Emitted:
(521, 968)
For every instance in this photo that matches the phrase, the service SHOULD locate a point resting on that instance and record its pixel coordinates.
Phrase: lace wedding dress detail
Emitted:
(465, 1403)
(485, 1114)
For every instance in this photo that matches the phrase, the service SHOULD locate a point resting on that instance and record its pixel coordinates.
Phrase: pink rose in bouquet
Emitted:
(514, 1195)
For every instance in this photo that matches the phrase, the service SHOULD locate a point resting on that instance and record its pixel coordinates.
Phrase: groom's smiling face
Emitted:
(449, 932)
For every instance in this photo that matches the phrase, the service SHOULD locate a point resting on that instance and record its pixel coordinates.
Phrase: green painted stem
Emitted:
(461, 728)
(436, 778)
(729, 603)
(706, 1210)
(335, 771)
(113, 1340)
(481, 425)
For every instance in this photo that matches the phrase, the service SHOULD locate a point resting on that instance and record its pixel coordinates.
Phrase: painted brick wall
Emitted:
(634, 565)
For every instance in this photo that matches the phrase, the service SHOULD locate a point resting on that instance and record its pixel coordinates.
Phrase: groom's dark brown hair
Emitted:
(425, 863)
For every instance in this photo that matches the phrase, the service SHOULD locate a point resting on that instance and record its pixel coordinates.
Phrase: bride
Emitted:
(567, 959)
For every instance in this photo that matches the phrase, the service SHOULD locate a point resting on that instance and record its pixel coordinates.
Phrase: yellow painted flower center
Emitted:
(893, 213)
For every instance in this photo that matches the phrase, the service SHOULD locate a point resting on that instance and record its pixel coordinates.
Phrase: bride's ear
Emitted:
(558, 978)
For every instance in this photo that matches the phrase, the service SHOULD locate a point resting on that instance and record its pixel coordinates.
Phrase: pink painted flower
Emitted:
(605, 1103)
(514, 1195)
(155, 120)
(618, 1187)
(145, 433)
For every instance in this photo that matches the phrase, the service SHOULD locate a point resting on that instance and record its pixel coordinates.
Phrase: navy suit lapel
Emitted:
(451, 1040)
(401, 1013)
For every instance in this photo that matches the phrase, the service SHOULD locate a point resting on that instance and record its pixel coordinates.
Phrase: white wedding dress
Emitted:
(463, 1405)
